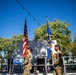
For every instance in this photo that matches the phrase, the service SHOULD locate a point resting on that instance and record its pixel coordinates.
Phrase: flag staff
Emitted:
(45, 67)
(49, 40)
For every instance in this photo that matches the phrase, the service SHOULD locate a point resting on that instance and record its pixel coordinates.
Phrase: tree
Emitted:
(73, 50)
(10, 46)
(59, 31)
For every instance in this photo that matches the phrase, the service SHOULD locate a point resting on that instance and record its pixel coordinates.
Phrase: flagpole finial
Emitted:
(25, 18)
(47, 18)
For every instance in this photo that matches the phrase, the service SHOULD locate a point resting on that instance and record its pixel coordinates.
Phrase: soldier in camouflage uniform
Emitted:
(27, 62)
(57, 61)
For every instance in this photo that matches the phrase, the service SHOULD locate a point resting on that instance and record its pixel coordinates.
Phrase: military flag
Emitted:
(49, 36)
(49, 33)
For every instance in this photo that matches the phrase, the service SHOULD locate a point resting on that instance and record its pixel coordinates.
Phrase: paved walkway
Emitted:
(37, 74)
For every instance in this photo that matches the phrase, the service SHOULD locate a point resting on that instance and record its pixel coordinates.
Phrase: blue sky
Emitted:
(12, 16)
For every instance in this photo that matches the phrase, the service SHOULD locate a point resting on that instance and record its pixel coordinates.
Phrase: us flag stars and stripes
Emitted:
(25, 40)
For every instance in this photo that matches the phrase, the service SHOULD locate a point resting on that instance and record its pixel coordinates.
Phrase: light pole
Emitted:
(60, 44)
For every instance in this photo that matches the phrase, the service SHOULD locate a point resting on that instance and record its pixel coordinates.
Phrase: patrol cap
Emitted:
(30, 48)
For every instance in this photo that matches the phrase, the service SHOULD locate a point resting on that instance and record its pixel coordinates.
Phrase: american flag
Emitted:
(25, 40)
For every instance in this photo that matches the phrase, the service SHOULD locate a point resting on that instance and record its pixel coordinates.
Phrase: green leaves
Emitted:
(40, 33)
(73, 50)
(59, 30)
(10, 46)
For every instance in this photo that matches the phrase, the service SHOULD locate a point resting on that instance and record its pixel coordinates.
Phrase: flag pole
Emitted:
(49, 40)
(45, 67)
(47, 27)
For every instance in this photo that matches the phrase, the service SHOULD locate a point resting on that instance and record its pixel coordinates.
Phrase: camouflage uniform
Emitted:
(27, 63)
(58, 63)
